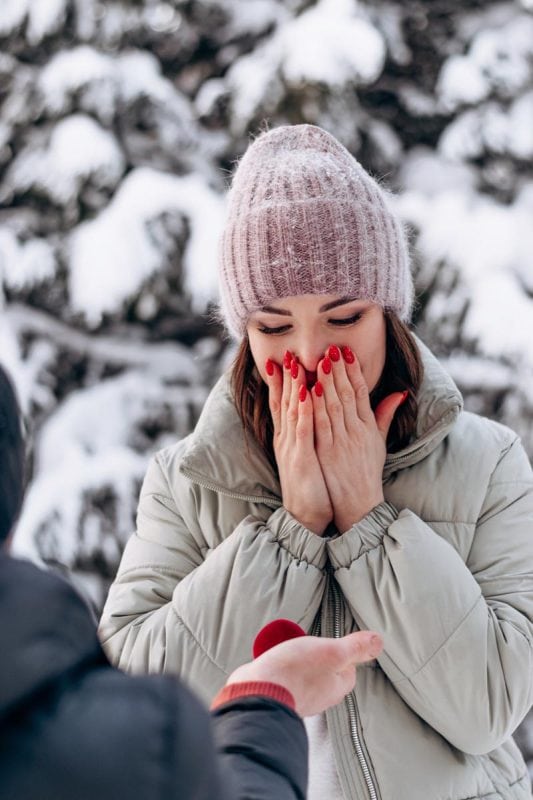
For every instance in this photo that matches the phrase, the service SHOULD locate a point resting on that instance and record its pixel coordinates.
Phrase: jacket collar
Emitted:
(220, 458)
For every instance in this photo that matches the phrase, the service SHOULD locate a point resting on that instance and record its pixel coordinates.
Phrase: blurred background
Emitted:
(120, 123)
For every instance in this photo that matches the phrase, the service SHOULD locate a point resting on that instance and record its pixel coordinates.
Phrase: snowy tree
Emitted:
(119, 125)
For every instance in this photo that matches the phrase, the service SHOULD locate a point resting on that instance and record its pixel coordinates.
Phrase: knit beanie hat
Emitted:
(305, 218)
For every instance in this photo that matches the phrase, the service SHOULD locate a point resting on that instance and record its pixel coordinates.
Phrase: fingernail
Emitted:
(287, 359)
(294, 368)
(348, 355)
(319, 389)
(269, 367)
(326, 365)
(302, 394)
(334, 353)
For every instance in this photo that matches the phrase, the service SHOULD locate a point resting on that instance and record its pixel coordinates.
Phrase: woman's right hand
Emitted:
(303, 488)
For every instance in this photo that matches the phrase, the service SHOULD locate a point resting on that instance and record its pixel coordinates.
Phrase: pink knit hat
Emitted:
(305, 218)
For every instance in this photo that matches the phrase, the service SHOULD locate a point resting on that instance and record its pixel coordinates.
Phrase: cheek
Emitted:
(262, 349)
(375, 369)
(373, 361)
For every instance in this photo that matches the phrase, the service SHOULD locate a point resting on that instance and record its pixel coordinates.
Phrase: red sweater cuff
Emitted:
(254, 688)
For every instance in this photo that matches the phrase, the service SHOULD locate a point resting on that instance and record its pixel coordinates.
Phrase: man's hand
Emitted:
(318, 672)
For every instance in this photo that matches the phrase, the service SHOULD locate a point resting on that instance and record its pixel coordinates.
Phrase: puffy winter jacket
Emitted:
(74, 728)
(443, 569)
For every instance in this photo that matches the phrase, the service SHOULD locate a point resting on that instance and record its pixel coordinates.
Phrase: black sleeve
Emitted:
(262, 750)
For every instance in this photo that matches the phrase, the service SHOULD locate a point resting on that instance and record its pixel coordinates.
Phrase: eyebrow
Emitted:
(327, 307)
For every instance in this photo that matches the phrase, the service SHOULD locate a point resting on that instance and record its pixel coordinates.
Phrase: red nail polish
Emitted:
(326, 365)
(334, 353)
(287, 359)
(302, 394)
(269, 367)
(319, 389)
(294, 368)
(348, 355)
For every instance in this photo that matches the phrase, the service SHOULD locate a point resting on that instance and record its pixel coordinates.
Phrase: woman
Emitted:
(334, 478)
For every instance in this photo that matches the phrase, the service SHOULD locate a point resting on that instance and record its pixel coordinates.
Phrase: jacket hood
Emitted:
(47, 630)
(220, 457)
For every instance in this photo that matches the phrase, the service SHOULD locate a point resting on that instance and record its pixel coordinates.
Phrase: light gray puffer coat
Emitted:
(443, 569)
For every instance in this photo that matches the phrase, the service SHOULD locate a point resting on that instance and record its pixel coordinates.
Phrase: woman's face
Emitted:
(308, 324)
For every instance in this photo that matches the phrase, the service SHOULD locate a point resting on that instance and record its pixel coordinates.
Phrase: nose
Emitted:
(309, 354)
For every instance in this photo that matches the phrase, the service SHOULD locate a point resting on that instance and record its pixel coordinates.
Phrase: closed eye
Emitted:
(347, 320)
(284, 328)
(269, 331)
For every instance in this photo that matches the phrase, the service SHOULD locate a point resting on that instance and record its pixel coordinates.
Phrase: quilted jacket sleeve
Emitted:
(458, 636)
(186, 605)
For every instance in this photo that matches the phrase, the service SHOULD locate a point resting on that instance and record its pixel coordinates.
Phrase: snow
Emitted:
(501, 130)
(332, 43)
(252, 17)
(208, 95)
(520, 133)
(88, 445)
(100, 417)
(424, 171)
(139, 75)
(254, 82)
(57, 499)
(79, 149)
(80, 68)
(385, 139)
(477, 373)
(163, 17)
(499, 298)
(12, 15)
(462, 82)
(44, 17)
(106, 85)
(27, 264)
(498, 60)
(490, 245)
(505, 54)
(10, 357)
(131, 75)
(112, 255)
(24, 372)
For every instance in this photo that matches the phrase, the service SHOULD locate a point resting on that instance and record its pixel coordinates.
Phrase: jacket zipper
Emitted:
(213, 487)
(353, 711)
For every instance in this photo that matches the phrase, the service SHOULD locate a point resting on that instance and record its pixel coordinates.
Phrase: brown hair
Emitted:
(403, 370)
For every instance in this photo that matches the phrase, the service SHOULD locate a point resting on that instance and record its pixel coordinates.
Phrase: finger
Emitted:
(286, 389)
(274, 381)
(359, 647)
(358, 383)
(387, 409)
(332, 401)
(343, 386)
(322, 426)
(305, 423)
(293, 376)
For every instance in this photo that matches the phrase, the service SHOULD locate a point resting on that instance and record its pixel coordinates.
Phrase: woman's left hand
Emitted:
(350, 439)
